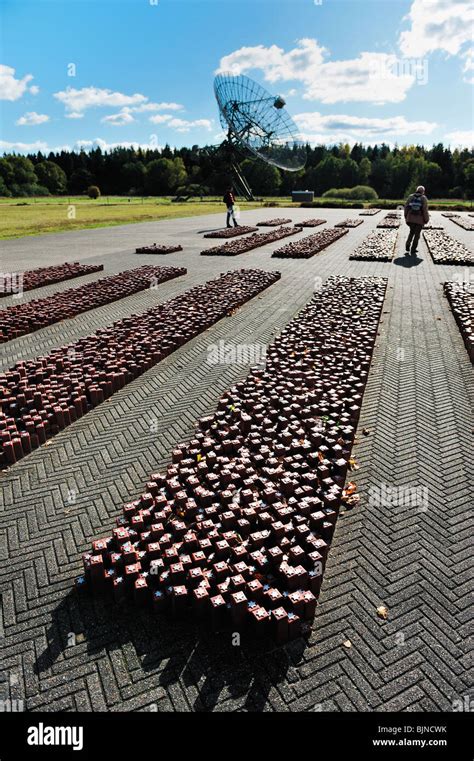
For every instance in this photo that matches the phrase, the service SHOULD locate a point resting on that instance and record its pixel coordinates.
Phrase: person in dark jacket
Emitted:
(229, 200)
(416, 216)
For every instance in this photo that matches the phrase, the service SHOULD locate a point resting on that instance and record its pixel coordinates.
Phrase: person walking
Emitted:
(416, 216)
(229, 200)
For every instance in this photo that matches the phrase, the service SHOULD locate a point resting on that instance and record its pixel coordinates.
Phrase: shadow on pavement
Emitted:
(202, 664)
(408, 261)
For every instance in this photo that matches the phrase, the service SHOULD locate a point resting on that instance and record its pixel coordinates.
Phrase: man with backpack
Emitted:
(229, 201)
(416, 216)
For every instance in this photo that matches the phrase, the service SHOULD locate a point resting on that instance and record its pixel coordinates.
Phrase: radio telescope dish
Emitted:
(258, 121)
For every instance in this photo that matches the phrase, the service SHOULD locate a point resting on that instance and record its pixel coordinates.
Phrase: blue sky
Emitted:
(85, 72)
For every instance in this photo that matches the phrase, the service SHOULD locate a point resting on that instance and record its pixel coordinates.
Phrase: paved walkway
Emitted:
(64, 652)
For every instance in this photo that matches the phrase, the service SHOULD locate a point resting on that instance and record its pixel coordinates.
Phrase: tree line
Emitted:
(391, 171)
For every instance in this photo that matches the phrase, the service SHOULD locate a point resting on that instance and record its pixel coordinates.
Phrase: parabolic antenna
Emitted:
(258, 121)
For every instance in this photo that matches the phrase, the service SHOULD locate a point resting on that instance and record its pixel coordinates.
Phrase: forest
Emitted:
(391, 172)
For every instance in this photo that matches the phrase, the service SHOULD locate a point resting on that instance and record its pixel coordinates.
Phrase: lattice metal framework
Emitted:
(258, 121)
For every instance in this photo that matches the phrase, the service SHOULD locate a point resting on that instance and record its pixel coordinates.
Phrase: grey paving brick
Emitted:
(418, 407)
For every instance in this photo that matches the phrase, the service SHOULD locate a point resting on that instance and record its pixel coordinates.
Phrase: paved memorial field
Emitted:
(406, 547)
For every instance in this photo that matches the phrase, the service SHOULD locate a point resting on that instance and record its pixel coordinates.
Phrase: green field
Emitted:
(34, 216)
(49, 215)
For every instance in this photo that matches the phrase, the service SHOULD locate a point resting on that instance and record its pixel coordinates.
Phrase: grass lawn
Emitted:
(20, 217)
(33, 216)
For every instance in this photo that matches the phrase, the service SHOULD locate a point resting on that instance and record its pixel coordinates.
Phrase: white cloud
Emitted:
(335, 128)
(160, 118)
(39, 145)
(393, 124)
(460, 138)
(220, 136)
(468, 68)
(181, 125)
(158, 107)
(32, 118)
(11, 88)
(437, 25)
(77, 101)
(277, 65)
(119, 119)
(371, 77)
(24, 147)
(105, 146)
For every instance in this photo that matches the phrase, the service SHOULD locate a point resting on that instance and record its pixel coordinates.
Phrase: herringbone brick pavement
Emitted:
(61, 651)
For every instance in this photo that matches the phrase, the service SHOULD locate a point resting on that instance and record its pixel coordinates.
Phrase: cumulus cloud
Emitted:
(393, 124)
(40, 145)
(335, 128)
(468, 68)
(158, 107)
(437, 25)
(220, 136)
(78, 101)
(444, 25)
(25, 148)
(371, 77)
(105, 146)
(32, 118)
(160, 118)
(277, 65)
(181, 125)
(460, 138)
(119, 119)
(12, 88)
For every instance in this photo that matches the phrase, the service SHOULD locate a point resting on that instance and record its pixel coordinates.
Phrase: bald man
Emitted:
(416, 216)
